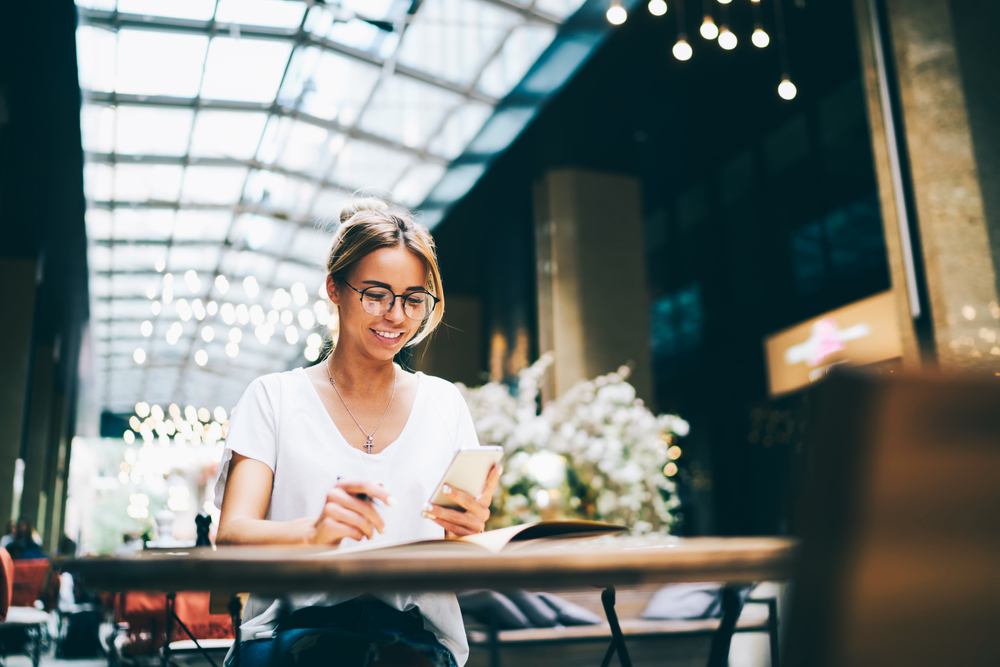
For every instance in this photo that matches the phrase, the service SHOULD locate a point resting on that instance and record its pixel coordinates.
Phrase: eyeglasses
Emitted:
(379, 301)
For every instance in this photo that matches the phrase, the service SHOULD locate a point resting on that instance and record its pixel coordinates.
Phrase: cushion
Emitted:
(568, 612)
(687, 601)
(493, 609)
(539, 614)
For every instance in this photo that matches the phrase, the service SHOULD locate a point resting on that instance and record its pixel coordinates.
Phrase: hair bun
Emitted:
(360, 204)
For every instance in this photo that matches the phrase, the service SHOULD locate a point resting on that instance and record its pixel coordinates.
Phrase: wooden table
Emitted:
(568, 563)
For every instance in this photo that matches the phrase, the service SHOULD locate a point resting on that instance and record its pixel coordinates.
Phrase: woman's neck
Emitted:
(358, 375)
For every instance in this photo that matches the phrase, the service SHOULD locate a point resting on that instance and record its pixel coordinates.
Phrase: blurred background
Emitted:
(667, 219)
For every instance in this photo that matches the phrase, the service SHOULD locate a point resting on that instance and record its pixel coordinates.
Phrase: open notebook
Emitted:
(501, 539)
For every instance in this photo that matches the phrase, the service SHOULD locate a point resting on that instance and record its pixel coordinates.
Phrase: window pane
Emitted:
(134, 256)
(159, 63)
(352, 32)
(143, 223)
(98, 181)
(152, 130)
(311, 246)
(181, 9)
(213, 185)
(98, 224)
(97, 125)
(518, 54)
(276, 13)
(408, 110)
(229, 61)
(328, 85)
(459, 129)
(202, 225)
(258, 232)
(452, 38)
(232, 134)
(362, 165)
(201, 259)
(414, 186)
(145, 182)
(328, 204)
(298, 146)
(282, 195)
(96, 54)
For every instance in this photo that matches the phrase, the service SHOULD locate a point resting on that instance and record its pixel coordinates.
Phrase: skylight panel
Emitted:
(258, 232)
(143, 130)
(97, 52)
(416, 183)
(244, 69)
(559, 8)
(100, 309)
(239, 265)
(99, 258)
(452, 39)
(328, 204)
(152, 62)
(289, 273)
(518, 54)
(147, 182)
(199, 10)
(133, 286)
(272, 13)
(233, 134)
(98, 181)
(204, 225)
(408, 110)
(311, 245)
(363, 165)
(298, 146)
(282, 195)
(100, 286)
(136, 256)
(97, 125)
(343, 28)
(212, 185)
(137, 224)
(202, 259)
(459, 129)
(328, 85)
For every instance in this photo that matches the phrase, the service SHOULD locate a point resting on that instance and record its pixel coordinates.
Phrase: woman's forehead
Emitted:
(397, 266)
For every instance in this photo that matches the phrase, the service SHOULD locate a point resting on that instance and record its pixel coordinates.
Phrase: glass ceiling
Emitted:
(221, 139)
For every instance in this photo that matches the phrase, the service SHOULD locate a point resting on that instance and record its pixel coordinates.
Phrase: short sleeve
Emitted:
(465, 433)
(252, 432)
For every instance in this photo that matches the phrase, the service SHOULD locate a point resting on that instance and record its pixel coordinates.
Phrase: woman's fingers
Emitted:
(472, 521)
(492, 483)
(363, 507)
(453, 529)
(329, 531)
(467, 502)
(342, 514)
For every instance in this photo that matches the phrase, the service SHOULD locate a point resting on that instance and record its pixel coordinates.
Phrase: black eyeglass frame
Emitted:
(392, 303)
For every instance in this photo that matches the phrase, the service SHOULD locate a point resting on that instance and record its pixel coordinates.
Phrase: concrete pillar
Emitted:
(919, 91)
(17, 290)
(593, 300)
(37, 440)
(54, 483)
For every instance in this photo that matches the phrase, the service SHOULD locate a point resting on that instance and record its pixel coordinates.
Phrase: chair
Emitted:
(24, 627)
(900, 542)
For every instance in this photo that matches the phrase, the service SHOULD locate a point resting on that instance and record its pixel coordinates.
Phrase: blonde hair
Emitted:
(368, 224)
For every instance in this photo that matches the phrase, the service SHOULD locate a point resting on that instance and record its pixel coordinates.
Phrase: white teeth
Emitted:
(386, 334)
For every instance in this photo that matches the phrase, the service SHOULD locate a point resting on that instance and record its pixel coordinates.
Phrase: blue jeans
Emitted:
(358, 633)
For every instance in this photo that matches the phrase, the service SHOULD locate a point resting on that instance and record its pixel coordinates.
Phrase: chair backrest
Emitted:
(6, 582)
(30, 579)
(900, 552)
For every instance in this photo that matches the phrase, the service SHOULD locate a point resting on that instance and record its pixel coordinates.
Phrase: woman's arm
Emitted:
(248, 493)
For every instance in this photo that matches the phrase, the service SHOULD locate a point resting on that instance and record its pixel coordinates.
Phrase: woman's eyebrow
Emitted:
(389, 287)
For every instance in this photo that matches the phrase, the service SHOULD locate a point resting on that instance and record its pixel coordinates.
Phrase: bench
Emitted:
(673, 642)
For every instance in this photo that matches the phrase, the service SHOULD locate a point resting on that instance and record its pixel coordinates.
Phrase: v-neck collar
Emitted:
(344, 442)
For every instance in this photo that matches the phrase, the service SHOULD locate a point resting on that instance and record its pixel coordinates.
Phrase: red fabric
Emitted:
(6, 582)
(30, 579)
(146, 615)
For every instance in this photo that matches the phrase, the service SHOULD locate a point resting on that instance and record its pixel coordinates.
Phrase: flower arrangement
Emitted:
(596, 452)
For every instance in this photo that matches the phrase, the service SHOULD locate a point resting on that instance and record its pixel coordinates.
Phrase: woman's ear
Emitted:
(332, 290)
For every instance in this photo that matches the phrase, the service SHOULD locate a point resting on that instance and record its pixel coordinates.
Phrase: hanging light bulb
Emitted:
(616, 13)
(682, 50)
(657, 7)
(760, 38)
(724, 2)
(787, 89)
(708, 28)
(727, 38)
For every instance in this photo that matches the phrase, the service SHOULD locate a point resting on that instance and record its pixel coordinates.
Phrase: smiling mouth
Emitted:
(388, 335)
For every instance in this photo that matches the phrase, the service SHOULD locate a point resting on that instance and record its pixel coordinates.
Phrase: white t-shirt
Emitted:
(281, 422)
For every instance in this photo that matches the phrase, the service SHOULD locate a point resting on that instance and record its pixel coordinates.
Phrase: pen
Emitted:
(364, 497)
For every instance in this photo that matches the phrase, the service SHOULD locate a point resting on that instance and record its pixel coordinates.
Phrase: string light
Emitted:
(760, 38)
(727, 38)
(657, 7)
(787, 89)
(201, 357)
(139, 356)
(708, 29)
(682, 50)
(616, 13)
(146, 328)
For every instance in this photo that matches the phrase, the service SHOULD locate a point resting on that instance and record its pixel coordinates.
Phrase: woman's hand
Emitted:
(349, 511)
(471, 519)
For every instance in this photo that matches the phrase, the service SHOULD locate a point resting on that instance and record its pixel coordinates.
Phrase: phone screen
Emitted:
(468, 471)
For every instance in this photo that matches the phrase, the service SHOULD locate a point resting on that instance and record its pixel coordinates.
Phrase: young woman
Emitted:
(303, 445)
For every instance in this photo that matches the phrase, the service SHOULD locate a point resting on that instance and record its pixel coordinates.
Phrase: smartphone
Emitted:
(467, 471)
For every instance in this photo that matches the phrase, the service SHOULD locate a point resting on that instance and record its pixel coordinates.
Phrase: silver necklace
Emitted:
(369, 437)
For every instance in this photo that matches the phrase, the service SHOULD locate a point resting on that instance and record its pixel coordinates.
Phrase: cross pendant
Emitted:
(369, 445)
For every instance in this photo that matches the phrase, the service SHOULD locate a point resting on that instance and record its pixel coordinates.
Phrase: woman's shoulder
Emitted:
(438, 385)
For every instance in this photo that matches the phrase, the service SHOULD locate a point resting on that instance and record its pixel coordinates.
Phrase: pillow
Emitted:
(568, 612)
(493, 609)
(539, 614)
(689, 601)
